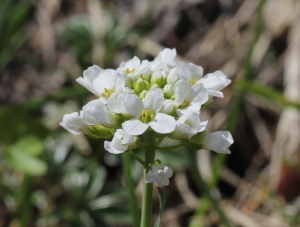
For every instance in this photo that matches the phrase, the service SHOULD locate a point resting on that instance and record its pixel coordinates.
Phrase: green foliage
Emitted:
(16, 122)
(23, 156)
(13, 15)
(76, 33)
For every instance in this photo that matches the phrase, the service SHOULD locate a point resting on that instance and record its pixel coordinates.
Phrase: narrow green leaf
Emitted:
(268, 93)
(162, 202)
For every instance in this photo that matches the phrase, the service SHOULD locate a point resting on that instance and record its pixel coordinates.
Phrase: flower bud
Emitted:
(141, 85)
(142, 95)
(99, 131)
(168, 91)
(159, 79)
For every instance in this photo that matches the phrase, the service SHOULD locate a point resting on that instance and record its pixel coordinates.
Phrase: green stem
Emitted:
(136, 157)
(172, 147)
(130, 188)
(148, 187)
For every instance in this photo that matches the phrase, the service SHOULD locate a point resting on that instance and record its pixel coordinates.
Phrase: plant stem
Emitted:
(130, 188)
(136, 157)
(148, 187)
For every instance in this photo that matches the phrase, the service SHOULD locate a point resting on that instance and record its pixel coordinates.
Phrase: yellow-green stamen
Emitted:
(185, 103)
(127, 70)
(193, 81)
(147, 116)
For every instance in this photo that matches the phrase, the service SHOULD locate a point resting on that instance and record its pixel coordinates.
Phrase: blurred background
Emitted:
(49, 177)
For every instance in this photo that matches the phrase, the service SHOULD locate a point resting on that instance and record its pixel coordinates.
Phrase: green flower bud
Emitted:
(99, 131)
(154, 86)
(142, 95)
(159, 79)
(141, 85)
(168, 91)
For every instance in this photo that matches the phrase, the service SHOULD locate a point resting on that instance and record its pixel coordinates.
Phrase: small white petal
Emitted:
(73, 123)
(154, 99)
(89, 75)
(87, 116)
(103, 115)
(215, 93)
(160, 175)
(134, 127)
(134, 105)
(163, 123)
(114, 148)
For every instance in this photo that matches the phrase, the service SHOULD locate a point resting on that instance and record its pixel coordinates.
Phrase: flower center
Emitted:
(193, 81)
(147, 116)
(107, 92)
(185, 103)
(127, 71)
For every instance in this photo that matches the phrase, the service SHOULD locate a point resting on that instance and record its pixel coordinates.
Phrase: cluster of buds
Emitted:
(160, 96)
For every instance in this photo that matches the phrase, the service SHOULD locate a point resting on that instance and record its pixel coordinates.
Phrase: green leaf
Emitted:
(27, 163)
(29, 144)
(162, 202)
(22, 155)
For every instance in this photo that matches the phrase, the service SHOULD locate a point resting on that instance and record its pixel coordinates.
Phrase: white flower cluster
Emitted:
(141, 96)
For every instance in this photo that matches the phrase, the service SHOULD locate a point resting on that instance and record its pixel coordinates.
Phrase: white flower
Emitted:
(116, 102)
(189, 72)
(96, 112)
(87, 116)
(164, 60)
(188, 98)
(218, 141)
(147, 114)
(108, 82)
(188, 125)
(134, 69)
(159, 174)
(73, 123)
(88, 78)
(214, 82)
(120, 143)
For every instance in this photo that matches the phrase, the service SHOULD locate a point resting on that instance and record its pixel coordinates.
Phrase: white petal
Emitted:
(87, 116)
(183, 131)
(134, 105)
(167, 106)
(114, 148)
(134, 127)
(154, 99)
(103, 115)
(218, 141)
(215, 81)
(215, 93)
(160, 175)
(163, 123)
(73, 123)
(89, 75)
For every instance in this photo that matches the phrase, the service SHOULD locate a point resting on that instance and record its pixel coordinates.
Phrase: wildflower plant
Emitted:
(143, 103)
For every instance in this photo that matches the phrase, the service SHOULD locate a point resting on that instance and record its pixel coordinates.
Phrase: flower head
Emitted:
(159, 174)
